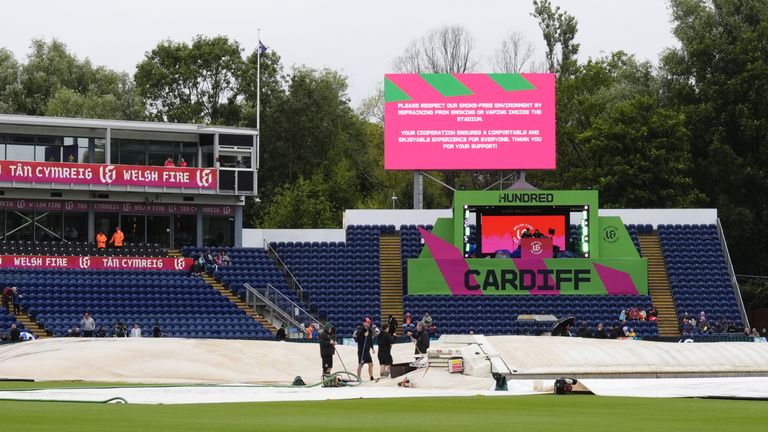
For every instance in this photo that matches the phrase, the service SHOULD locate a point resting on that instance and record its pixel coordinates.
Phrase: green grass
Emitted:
(572, 413)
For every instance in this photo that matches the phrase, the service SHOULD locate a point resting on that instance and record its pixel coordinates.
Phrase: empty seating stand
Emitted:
(698, 273)
(184, 306)
(24, 247)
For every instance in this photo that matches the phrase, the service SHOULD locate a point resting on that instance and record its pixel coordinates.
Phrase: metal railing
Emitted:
(279, 305)
(732, 273)
(296, 285)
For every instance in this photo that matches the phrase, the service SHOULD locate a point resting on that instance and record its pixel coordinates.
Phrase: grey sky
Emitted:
(358, 37)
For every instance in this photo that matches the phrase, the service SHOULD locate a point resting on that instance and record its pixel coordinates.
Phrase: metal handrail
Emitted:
(274, 308)
(292, 303)
(272, 298)
(293, 278)
(732, 273)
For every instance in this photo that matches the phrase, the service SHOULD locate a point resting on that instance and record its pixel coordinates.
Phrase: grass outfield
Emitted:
(570, 413)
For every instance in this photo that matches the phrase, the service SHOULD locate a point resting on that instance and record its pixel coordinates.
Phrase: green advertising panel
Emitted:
(503, 276)
(610, 264)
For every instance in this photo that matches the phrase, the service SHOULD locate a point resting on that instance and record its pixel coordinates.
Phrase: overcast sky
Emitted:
(358, 37)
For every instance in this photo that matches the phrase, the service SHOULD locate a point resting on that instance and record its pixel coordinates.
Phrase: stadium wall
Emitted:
(255, 237)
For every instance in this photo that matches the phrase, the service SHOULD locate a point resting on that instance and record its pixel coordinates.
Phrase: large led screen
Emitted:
(469, 121)
(498, 232)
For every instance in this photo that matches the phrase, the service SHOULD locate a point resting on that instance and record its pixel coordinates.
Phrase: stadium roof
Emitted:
(9, 119)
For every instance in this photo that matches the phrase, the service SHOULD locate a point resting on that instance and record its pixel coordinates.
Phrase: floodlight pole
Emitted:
(418, 190)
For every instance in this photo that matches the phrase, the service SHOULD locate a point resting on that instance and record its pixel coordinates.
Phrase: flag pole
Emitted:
(258, 110)
(258, 83)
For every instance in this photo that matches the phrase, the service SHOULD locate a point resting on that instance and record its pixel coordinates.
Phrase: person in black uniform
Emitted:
(327, 349)
(392, 322)
(385, 346)
(364, 339)
(421, 338)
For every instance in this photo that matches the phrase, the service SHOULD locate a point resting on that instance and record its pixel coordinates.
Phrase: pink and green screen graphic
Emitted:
(504, 231)
(469, 121)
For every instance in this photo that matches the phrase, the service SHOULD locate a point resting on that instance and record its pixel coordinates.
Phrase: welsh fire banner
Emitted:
(123, 175)
(93, 262)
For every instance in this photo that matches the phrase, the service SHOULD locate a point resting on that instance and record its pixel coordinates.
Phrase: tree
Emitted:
(126, 105)
(558, 28)
(514, 54)
(55, 82)
(718, 77)
(9, 81)
(303, 204)
(446, 49)
(192, 83)
(639, 157)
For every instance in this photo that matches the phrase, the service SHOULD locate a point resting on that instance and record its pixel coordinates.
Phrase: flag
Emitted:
(262, 48)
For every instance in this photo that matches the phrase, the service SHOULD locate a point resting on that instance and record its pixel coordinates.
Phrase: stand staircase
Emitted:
(658, 285)
(210, 280)
(31, 326)
(390, 277)
(174, 253)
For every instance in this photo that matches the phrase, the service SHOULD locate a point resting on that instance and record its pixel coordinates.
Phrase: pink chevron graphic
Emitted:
(451, 263)
(616, 282)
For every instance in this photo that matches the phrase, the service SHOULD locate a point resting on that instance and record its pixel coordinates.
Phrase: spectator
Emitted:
(763, 332)
(217, 260)
(7, 297)
(702, 317)
(601, 333)
(310, 331)
(225, 260)
(136, 331)
(537, 234)
(169, 162)
(732, 328)
(117, 238)
(526, 233)
(182, 163)
(613, 333)
(408, 326)
(101, 240)
(623, 315)
(653, 314)
(210, 264)
(101, 332)
(583, 331)
(281, 336)
(88, 325)
(119, 330)
(156, 332)
(625, 328)
(631, 334)
(427, 319)
(16, 301)
(26, 336)
(754, 333)
(392, 325)
(15, 333)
